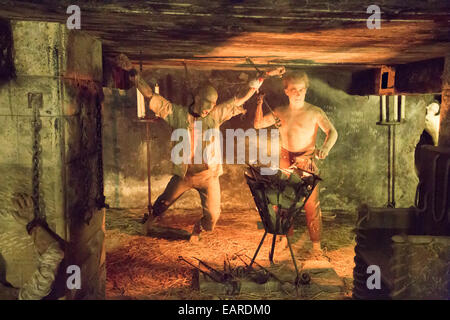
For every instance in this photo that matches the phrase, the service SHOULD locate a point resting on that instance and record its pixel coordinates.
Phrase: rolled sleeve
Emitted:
(227, 110)
(160, 106)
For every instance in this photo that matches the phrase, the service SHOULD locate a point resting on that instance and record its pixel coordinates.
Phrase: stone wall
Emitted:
(65, 67)
(355, 171)
(421, 267)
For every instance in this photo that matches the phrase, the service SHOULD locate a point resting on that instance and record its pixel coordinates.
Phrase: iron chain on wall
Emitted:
(83, 204)
(35, 103)
(100, 184)
(85, 207)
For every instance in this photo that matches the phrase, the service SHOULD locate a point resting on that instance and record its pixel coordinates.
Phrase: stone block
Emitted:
(5, 106)
(70, 97)
(18, 179)
(87, 246)
(83, 56)
(37, 47)
(80, 137)
(75, 94)
(15, 178)
(8, 132)
(50, 49)
(61, 97)
(81, 185)
(23, 85)
(50, 141)
(72, 136)
(53, 201)
(422, 267)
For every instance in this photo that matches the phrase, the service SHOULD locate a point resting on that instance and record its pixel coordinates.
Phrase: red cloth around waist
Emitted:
(302, 160)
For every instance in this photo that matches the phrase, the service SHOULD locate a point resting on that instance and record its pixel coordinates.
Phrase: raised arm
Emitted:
(159, 105)
(255, 84)
(260, 120)
(142, 85)
(233, 107)
(331, 134)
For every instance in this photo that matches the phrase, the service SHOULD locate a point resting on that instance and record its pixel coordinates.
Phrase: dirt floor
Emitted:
(141, 267)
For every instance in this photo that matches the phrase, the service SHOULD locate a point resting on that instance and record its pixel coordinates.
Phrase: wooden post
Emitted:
(444, 127)
(149, 181)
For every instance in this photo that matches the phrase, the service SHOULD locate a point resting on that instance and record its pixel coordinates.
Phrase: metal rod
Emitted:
(292, 255)
(254, 66)
(272, 250)
(277, 225)
(389, 166)
(199, 269)
(259, 247)
(239, 257)
(147, 136)
(402, 107)
(217, 272)
(396, 117)
(393, 168)
(383, 109)
(267, 270)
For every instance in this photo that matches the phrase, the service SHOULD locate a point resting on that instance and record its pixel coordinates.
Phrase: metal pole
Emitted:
(393, 168)
(272, 250)
(292, 255)
(257, 250)
(389, 165)
(150, 208)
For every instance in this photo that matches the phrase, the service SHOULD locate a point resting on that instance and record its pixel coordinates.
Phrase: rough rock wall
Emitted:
(425, 261)
(66, 68)
(354, 172)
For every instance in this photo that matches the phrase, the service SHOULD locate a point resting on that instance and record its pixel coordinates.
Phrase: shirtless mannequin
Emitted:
(299, 122)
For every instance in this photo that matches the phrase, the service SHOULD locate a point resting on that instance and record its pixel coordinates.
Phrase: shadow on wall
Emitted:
(355, 171)
(7, 70)
(3, 271)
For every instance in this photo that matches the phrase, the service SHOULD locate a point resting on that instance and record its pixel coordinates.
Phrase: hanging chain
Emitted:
(85, 172)
(100, 183)
(35, 102)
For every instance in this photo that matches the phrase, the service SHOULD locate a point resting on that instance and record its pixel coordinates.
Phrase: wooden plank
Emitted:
(419, 77)
(311, 32)
(444, 126)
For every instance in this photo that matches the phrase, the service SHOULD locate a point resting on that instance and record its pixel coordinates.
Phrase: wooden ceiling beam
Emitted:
(215, 32)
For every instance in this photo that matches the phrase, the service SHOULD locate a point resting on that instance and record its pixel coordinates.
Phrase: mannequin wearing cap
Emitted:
(204, 176)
